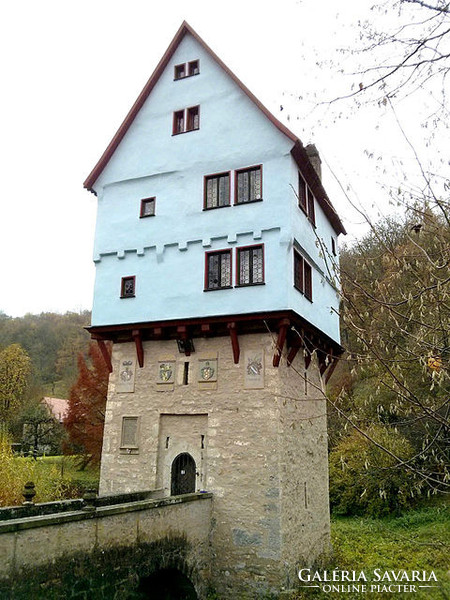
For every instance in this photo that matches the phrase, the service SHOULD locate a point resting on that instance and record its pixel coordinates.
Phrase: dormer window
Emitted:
(248, 185)
(186, 69)
(186, 120)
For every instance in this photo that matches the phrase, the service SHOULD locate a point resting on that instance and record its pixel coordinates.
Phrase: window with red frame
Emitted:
(248, 185)
(250, 265)
(306, 199)
(302, 275)
(128, 287)
(182, 71)
(186, 120)
(217, 190)
(218, 270)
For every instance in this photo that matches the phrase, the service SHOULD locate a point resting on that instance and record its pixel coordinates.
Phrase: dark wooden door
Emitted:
(183, 475)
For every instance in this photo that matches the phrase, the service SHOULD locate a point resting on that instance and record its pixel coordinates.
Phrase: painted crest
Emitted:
(207, 372)
(165, 371)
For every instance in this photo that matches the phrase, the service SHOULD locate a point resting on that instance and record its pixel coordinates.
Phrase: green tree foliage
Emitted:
(364, 479)
(53, 342)
(87, 403)
(395, 317)
(15, 371)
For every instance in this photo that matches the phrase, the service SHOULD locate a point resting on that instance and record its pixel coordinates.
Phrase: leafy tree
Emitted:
(40, 428)
(396, 321)
(363, 477)
(87, 402)
(15, 371)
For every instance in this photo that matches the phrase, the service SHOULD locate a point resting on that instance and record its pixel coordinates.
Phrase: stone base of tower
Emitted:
(257, 435)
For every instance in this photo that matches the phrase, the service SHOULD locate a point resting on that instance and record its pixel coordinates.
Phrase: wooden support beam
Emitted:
(234, 342)
(293, 353)
(331, 368)
(137, 337)
(282, 332)
(205, 328)
(157, 332)
(106, 355)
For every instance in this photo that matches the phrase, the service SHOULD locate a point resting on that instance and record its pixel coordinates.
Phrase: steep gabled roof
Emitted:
(298, 151)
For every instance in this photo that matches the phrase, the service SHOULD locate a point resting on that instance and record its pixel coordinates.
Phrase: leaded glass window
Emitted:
(128, 287)
(308, 281)
(217, 190)
(250, 265)
(218, 270)
(248, 185)
(129, 432)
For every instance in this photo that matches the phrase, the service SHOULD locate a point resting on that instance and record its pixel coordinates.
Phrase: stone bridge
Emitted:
(126, 546)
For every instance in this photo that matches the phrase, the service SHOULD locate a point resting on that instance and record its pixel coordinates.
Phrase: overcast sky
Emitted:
(70, 73)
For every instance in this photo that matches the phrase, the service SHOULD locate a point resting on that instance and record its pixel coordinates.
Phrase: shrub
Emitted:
(16, 471)
(364, 478)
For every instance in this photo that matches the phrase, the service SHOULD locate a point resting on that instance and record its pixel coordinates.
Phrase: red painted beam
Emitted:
(331, 368)
(234, 342)
(137, 337)
(282, 332)
(106, 355)
(292, 354)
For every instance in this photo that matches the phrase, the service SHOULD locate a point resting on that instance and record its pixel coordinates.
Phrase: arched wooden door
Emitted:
(183, 475)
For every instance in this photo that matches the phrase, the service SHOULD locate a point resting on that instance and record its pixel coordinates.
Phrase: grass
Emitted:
(418, 540)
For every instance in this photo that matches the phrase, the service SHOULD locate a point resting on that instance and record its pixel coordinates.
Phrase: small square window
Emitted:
(193, 67)
(147, 207)
(217, 191)
(129, 438)
(193, 118)
(127, 289)
(250, 265)
(218, 270)
(180, 71)
(248, 185)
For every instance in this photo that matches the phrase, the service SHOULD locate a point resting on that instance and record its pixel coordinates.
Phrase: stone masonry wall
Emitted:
(259, 444)
(27, 543)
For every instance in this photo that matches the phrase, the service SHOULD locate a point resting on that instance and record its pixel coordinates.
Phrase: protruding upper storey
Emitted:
(186, 120)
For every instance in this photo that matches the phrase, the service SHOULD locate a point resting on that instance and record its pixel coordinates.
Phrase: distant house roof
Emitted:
(58, 407)
(298, 152)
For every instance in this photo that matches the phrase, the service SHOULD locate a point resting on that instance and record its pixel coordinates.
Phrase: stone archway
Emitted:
(183, 475)
(167, 584)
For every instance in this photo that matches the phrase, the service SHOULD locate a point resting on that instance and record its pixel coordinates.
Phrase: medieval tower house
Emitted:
(212, 284)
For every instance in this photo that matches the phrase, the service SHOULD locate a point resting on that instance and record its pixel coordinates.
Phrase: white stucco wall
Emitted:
(166, 253)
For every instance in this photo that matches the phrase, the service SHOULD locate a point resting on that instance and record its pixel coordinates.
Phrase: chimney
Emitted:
(313, 155)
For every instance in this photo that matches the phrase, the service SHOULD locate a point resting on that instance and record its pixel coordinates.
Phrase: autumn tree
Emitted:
(87, 402)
